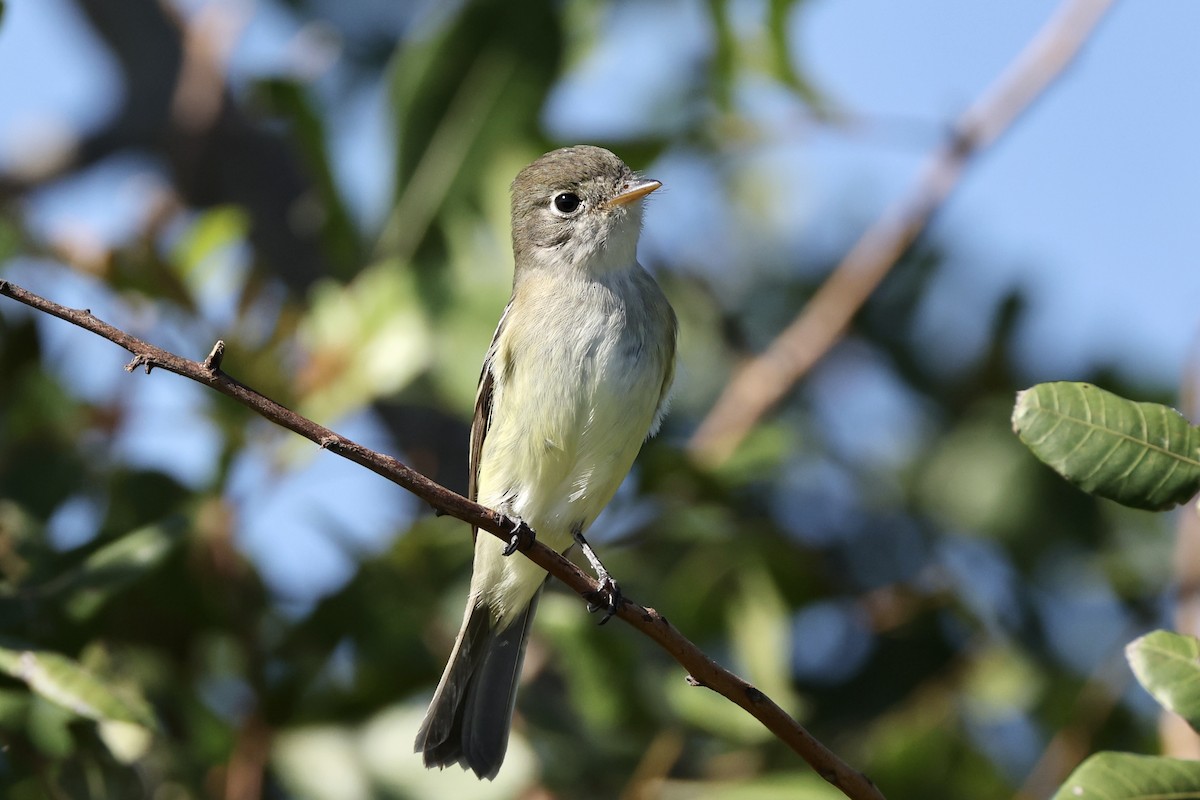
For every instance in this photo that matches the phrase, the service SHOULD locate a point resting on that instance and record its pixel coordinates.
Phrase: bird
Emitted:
(576, 379)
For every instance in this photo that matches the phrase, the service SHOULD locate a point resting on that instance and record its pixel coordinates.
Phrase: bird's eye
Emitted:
(566, 204)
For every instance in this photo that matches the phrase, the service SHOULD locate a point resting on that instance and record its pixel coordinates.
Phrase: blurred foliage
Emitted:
(882, 556)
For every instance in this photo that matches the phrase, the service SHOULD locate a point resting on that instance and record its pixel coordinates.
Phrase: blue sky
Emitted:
(1090, 204)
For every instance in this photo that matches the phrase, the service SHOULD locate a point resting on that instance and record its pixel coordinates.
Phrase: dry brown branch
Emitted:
(1176, 735)
(702, 670)
(763, 380)
(1091, 708)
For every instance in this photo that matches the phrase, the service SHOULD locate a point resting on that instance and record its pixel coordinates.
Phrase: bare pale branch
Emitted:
(763, 380)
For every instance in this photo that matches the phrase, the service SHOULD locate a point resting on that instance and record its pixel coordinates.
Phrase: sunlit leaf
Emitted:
(786, 786)
(761, 634)
(1001, 681)
(389, 732)
(761, 453)
(375, 759)
(321, 762)
(366, 339)
(1143, 455)
(1125, 776)
(212, 231)
(1168, 665)
(63, 681)
(127, 741)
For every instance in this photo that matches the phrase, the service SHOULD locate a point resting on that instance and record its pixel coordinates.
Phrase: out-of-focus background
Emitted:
(323, 185)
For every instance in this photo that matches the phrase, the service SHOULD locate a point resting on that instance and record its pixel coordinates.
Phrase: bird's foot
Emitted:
(608, 596)
(522, 537)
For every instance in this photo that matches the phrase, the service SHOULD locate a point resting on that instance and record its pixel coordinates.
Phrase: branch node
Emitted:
(212, 362)
(830, 776)
(694, 681)
(962, 141)
(329, 442)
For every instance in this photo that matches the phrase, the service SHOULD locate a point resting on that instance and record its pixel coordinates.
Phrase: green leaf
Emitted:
(462, 94)
(127, 741)
(779, 56)
(761, 633)
(723, 55)
(48, 726)
(1125, 776)
(367, 339)
(777, 786)
(64, 682)
(1143, 455)
(117, 565)
(10, 234)
(1168, 665)
(214, 230)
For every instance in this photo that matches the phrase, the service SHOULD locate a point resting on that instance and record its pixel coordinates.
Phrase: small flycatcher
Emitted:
(575, 380)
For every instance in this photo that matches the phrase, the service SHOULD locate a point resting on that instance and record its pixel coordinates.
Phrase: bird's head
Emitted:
(577, 208)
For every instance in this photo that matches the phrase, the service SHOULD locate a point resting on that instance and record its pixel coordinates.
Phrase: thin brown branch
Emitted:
(702, 670)
(1178, 739)
(763, 380)
(248, 762)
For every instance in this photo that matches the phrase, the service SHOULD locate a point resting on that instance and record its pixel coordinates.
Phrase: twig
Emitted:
(765, 379)
(702, 670)
(1090, 709)
(1177, 737)
(247, 763)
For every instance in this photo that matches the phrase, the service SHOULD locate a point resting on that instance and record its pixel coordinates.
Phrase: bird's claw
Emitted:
(522, 537)
(607, 597)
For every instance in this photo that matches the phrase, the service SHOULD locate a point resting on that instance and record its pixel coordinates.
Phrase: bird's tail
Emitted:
(468, 721)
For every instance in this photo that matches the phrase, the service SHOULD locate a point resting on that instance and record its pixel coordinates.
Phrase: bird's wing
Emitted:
(483, 408)
(664, 393)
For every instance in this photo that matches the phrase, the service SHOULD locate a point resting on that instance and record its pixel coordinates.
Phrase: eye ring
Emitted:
(566, 204)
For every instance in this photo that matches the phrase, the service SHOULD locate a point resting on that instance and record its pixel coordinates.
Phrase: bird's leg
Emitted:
(608, 596)
(522, 537)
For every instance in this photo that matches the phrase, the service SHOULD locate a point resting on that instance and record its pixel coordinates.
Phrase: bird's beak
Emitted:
(634, 190)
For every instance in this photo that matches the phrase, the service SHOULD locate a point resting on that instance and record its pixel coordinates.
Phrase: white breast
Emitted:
(589, 381)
